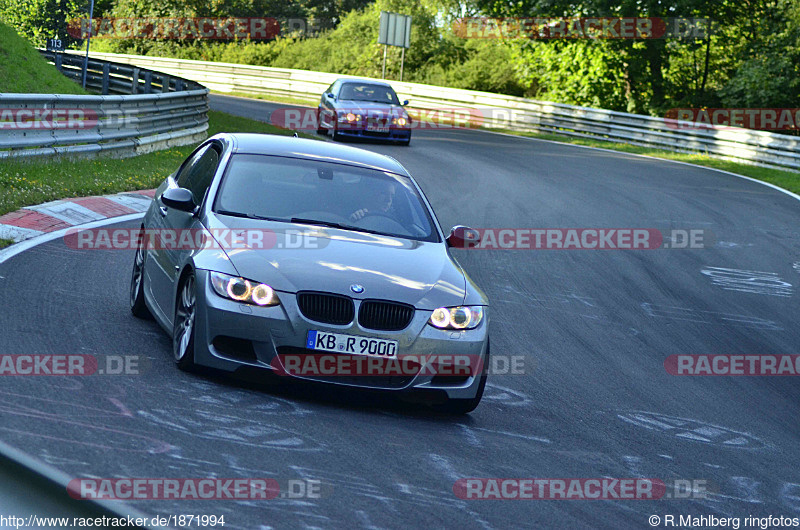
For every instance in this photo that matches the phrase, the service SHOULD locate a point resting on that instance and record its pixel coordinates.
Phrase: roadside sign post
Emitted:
(88, 40)
(56, 45)
(395, 30)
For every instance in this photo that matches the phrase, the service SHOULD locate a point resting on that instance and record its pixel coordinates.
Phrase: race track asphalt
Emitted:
(592, 327)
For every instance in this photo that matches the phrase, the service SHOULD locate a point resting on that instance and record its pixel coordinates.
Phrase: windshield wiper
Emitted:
(370, 101)
(251, 216)
(331, 224)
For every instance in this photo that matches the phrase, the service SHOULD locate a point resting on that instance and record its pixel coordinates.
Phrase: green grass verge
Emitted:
(787, 180)
(24, 183)
(5, 242)
(25, 70)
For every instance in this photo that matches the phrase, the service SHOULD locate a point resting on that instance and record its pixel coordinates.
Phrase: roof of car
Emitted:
(275, 145)
(363, 80)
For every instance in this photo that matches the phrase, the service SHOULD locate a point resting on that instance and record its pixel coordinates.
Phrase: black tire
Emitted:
(465, 406)
(138, 305)
(320, 129)
(336, 136)
(183, 325)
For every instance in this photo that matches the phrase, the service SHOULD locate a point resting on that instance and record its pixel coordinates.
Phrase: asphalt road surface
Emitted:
(592, 327)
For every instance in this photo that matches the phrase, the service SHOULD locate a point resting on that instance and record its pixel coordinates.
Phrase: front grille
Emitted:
(326, 308)
(384, 316)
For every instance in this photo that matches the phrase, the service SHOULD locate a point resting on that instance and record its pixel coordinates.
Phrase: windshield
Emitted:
(310, 192)
(368, 92)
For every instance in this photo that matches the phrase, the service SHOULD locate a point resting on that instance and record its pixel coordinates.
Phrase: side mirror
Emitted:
(463, 237)
(330, 95)
(405, 102)
(179, 198)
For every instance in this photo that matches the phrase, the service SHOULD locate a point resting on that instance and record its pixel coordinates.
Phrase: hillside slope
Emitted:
(23, 70)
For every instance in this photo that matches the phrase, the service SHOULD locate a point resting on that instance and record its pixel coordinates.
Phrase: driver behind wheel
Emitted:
(382, 204)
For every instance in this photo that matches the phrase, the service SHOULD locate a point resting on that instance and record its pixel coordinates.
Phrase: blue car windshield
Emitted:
(301, 191)
(368, 92)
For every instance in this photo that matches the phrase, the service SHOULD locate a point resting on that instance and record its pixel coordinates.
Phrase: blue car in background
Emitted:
(363, 108)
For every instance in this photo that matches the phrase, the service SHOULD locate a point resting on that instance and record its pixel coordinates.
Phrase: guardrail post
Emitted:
(57, 60)
(106, 73)
(132, 123)
(135, 81)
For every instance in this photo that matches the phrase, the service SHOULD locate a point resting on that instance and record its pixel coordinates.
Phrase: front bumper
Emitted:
(395, 134)
(230, 335)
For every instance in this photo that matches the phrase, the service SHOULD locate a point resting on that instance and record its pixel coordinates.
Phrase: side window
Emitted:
(198, 173)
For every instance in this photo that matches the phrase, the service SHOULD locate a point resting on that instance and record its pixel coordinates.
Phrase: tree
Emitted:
(38, 20)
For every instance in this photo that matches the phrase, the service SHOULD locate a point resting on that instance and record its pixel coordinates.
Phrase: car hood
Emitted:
(371, 109)
(330, 260)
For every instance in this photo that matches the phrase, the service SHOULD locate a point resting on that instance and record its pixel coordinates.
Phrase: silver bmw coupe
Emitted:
(314, 261)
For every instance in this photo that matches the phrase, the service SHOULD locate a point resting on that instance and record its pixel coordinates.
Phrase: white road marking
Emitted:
(756, 282)
(16, 233)
(707, 317)
(690, 429)
(28, 244)
(140, 203)
(636, 155)
(67, 211)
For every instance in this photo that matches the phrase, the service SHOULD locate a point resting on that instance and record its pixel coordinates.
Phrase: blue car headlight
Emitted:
(242, 290)
(460, 317)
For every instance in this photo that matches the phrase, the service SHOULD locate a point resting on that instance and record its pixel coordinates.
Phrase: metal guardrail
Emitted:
(148, 110)
(500, 111)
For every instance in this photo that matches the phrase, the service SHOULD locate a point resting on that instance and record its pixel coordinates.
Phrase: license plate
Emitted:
(350, 344)
(374, 127)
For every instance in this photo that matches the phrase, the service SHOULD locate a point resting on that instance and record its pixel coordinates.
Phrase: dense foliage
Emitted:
(751, 60)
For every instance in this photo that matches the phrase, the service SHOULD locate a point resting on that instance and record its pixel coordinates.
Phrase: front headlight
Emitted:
(461, 317)
(349, 117)
(241, 290)
(399, 121)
